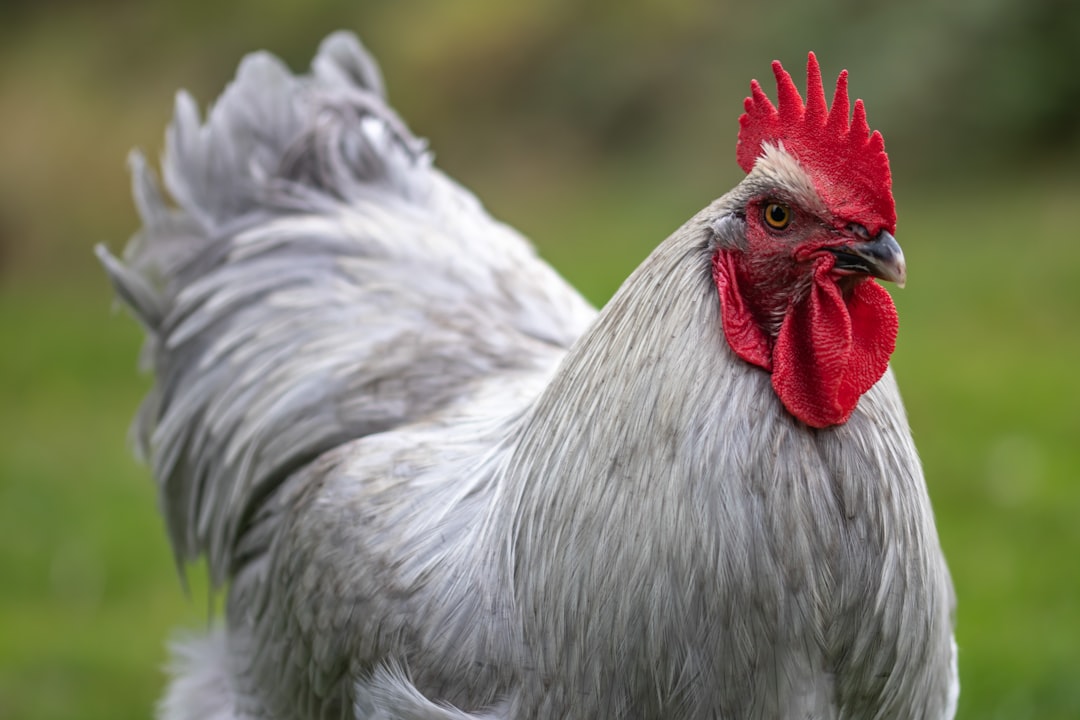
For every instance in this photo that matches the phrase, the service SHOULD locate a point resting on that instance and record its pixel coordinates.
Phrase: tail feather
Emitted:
(255, 159)
(317, 280)
(248, 147)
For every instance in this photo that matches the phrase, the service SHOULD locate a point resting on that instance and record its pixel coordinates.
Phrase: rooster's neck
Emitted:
(658, 468)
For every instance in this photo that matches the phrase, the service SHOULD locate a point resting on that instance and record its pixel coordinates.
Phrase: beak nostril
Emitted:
(859, 230)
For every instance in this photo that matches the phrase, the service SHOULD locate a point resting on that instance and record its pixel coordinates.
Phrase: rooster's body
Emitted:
(439, 485)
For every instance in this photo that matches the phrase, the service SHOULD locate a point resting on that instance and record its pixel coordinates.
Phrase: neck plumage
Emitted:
(608, 484)
(631, 390)
(658, 483)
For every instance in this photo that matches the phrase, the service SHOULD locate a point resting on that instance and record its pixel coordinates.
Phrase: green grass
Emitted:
(89, 591)
(987, 361)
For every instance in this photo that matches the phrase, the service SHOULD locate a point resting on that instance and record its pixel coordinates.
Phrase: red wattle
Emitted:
(741, 329)
(829, 350)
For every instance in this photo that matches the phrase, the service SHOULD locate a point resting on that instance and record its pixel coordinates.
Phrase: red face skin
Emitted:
(825, 334)
(779, 263)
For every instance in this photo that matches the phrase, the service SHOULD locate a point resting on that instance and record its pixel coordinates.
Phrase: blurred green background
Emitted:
(596, 128)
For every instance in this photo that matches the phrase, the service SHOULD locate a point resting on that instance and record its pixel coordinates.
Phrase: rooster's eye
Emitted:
(777, 216)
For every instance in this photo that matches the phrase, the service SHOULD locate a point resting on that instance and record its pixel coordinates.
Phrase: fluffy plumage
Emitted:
(437, 484)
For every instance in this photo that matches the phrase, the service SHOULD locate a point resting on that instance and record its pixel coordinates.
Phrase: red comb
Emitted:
(846, 161)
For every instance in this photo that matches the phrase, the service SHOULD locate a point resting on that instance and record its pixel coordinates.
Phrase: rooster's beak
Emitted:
(879, 256)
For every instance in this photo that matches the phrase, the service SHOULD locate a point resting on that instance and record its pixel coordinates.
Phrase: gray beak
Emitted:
(879, 256)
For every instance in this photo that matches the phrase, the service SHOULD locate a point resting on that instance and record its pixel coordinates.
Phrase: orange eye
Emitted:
(777, 216)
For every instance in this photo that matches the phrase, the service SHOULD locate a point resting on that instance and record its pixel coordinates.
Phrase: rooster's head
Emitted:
(801, 241)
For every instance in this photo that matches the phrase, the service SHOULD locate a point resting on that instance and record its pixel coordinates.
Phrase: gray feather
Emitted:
(440, 486)
(320, 281)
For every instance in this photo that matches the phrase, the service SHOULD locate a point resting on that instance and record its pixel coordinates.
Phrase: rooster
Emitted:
(436, 483)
